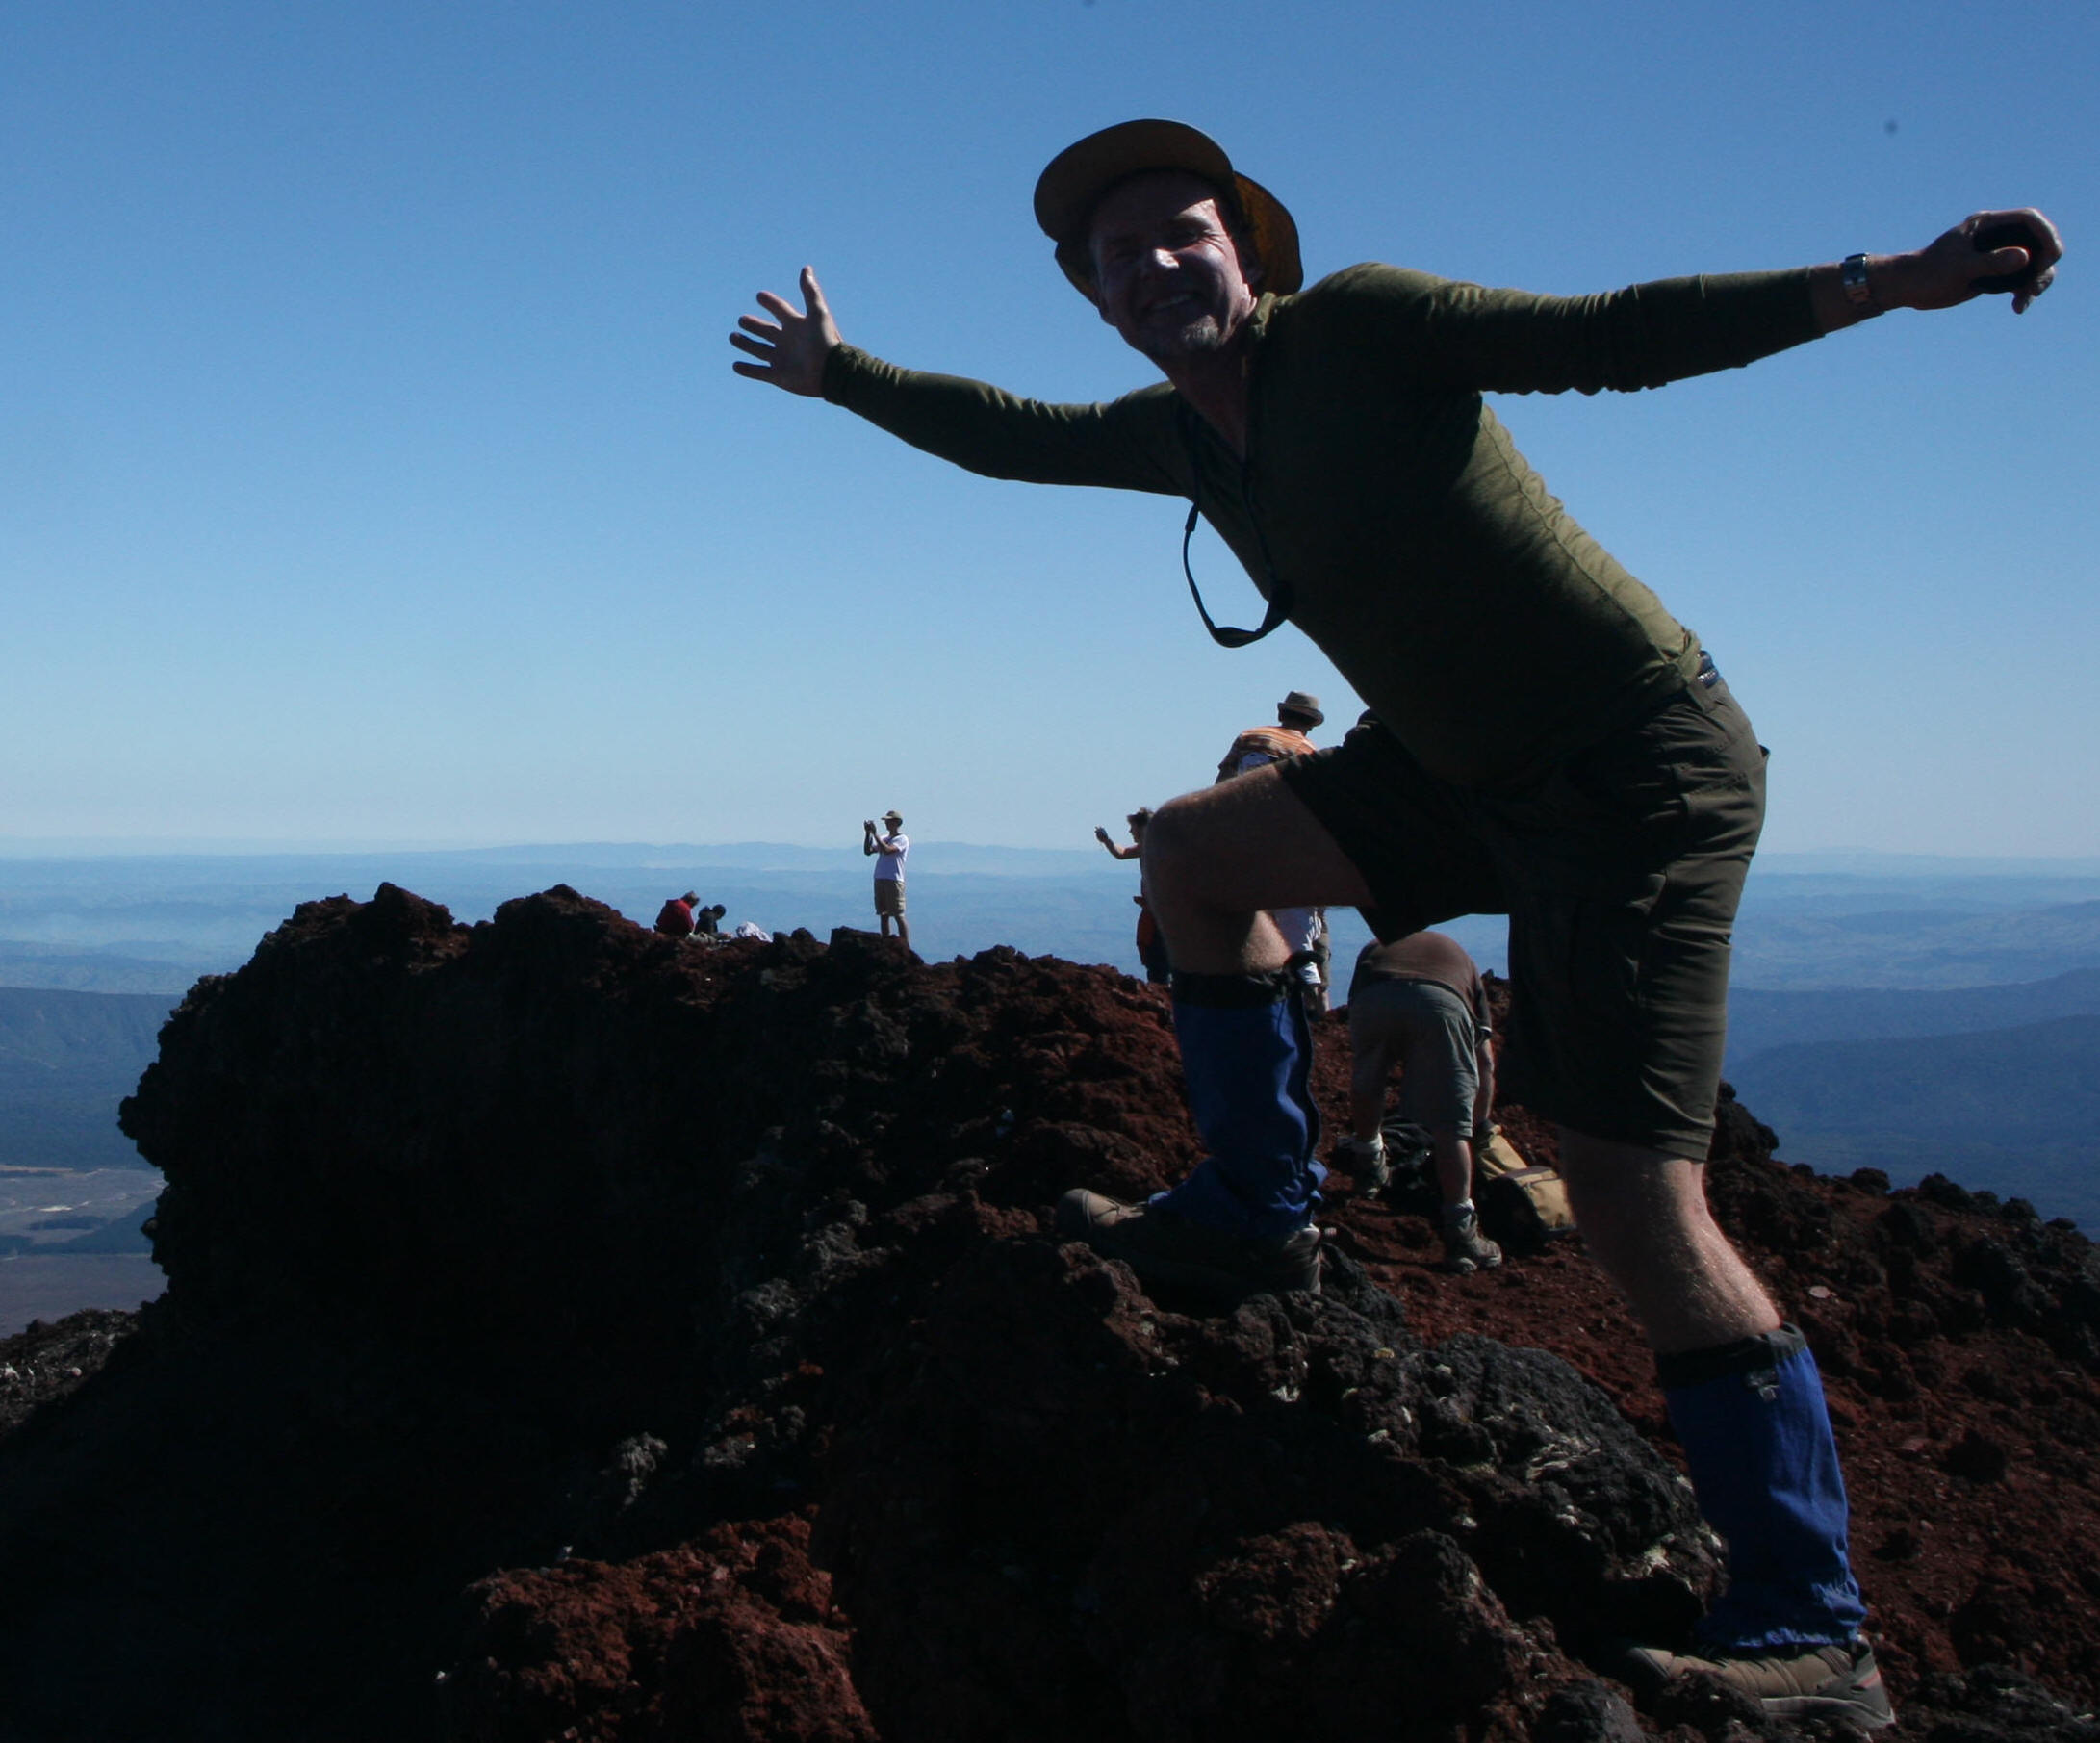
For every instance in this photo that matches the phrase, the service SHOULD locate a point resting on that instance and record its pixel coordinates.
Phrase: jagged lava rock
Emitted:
(573, 1332)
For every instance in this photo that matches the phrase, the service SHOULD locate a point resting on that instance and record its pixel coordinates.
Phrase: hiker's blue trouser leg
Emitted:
(1246, 1051)
(1751, 1417)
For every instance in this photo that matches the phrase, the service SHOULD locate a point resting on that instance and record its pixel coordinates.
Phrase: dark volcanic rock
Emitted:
(46, 1362)
(576, 1332)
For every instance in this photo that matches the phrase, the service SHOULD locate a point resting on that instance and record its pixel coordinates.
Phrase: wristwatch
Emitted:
(1853, 275)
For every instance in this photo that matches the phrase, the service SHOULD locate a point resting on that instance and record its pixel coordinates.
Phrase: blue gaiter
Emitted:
(1751, 1417)
(1246, 1052)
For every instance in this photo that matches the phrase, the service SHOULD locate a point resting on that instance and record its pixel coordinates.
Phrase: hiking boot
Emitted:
(1465, 1248)
(1161, 1248)
(1817, 1682)
(1365, 1162)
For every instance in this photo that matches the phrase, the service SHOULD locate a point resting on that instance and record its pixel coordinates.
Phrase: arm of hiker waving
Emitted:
(791, 347)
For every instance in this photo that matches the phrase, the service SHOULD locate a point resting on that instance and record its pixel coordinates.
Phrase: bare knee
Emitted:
(1245, 846)
(1177, 845)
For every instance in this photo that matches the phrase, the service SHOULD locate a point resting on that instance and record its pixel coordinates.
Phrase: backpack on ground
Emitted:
(1521, 1206)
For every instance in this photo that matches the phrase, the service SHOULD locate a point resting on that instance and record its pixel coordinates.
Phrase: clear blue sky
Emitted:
(372, 469)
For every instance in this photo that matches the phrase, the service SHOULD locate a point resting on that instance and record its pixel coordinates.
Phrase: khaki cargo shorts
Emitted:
(888, 897)
(1620, 871)
(1425, 1028)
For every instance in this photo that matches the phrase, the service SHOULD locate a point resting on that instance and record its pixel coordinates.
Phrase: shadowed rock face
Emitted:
(572, 1331)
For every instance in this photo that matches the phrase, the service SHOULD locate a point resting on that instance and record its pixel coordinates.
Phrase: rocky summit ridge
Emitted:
(571, 1333)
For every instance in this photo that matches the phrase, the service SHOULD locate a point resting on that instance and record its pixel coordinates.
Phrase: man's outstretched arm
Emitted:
(1945, 271)
(1132, 443)
(1671, 329)
(792, 348)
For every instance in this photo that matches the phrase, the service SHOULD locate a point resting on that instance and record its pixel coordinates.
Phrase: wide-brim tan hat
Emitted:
(1069, 190)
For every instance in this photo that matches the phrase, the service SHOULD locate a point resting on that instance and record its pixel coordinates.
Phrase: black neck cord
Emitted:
(1280, 596)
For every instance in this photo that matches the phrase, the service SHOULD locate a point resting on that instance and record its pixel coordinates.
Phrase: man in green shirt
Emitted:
(1608, 799)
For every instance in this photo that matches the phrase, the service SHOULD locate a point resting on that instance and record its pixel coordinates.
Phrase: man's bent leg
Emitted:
(1247, 1055)
(1743, 1393)
(1241, 1220)
(1215, 862)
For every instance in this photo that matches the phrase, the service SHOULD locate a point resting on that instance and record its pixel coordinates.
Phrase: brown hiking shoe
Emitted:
(1161, 1248)
(1817, 1682)
(1465, 1248)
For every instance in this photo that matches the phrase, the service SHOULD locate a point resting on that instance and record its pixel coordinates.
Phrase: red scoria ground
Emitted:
(811, 1184)
(1968, 1454)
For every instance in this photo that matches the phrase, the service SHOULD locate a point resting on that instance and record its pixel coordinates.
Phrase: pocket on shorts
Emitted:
(1692, 770)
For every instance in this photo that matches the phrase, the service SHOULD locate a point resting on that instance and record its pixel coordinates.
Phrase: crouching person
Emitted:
(1418, 1002)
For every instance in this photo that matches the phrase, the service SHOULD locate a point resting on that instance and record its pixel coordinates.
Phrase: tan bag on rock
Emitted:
(1521, 1206)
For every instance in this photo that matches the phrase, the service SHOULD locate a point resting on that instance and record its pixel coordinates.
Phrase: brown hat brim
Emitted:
(1072, 187)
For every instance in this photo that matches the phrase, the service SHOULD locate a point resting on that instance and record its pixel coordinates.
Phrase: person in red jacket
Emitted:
(675, 918)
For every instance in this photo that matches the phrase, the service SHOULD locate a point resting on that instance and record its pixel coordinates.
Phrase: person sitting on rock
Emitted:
(707, 922)
(675, 920)
(1418, 1002)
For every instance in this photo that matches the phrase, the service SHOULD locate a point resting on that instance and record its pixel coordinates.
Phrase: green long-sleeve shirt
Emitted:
(1426, 557)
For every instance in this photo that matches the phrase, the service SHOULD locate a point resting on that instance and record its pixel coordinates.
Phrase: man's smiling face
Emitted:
(1167, 272)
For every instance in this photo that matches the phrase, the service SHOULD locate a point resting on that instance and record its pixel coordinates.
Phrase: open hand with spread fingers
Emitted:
(791, 347)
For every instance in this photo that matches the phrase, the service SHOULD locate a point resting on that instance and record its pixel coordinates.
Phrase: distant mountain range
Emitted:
(2014, 1111)
(1805, 945)
(67, 1058)
(1760, 1020)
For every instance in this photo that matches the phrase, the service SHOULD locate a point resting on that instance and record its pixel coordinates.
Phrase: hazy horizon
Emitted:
(1865, 861)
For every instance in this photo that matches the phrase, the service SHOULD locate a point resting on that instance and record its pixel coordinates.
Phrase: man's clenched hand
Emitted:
(790, 348)
(1944, 273)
